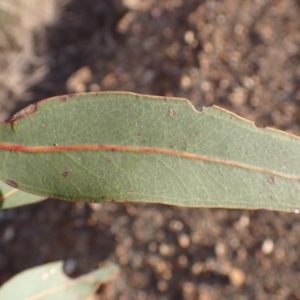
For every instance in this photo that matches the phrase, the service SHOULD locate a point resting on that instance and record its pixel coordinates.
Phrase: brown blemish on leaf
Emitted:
(63, 98)
(65, 174)
(23, 113)
(12, 183)
(172, 112)
(271, 179)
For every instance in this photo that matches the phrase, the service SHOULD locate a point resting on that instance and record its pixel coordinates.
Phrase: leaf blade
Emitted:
(11, 197)
(49, 282)
(124, 146)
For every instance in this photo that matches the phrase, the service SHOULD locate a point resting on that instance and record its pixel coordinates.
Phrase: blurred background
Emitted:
(243, 55)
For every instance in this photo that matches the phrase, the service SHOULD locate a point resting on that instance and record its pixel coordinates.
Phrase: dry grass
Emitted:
(20, 21)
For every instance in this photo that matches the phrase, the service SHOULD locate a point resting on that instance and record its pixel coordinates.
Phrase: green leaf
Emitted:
(11, 197)
(48, 282)
(123, 146)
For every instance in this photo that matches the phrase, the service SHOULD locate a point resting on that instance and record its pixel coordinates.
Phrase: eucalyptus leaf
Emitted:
(11, 197)
(111, 146)
(48, 282)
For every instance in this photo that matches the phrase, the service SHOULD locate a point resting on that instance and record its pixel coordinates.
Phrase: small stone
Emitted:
(70, 266)
(167, 275)
(267, 246)
(205, 86)
(94, 87)
(184, 240)
(148, 76)
(208, 47)
(238, 96)
(165, 249)
(162, 286)
(109, 80)
(244, 221)
(197, 268)
(189, 37)
(183, 261)
(237, 277)
(248, 83)
(152, 247)
(176, 225)
(8, 234)
(77, 81)
(220, 249)
(188, 287)
(185, 82)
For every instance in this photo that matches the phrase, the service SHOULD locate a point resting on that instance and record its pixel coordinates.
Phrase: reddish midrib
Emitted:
(121, 148)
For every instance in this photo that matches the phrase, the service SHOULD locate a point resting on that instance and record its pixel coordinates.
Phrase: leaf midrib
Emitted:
(154, 150)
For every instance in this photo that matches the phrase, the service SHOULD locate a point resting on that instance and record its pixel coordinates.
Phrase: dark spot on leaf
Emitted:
(271, 179)
(143, 141)
(113, 200)
(65, 174)
(109, 160)
(12, 183)
(71, 95)
(138, 134)
(112, 150)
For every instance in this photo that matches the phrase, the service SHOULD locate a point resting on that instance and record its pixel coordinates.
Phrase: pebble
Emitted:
(197, 268)
(165, 249)
(162, 286)
(184, 240)
(70, 266)
(185, 82)
(238, 96)
(176, 225)
(267, 246)
(220, 249)
(183, 261)
(77, 81)
(237, 277)
(188, 287)
(8, 234)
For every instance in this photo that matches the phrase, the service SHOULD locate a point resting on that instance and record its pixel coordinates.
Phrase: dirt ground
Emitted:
(243, 55)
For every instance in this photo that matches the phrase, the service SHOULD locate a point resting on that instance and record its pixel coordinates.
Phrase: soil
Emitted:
(243, 55)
